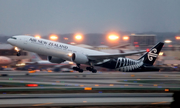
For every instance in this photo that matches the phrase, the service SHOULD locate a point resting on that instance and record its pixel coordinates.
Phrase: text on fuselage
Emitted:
(45, 43)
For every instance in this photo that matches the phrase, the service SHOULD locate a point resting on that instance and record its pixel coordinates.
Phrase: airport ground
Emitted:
(88, 90)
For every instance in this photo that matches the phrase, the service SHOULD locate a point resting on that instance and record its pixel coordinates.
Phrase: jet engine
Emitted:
(55, 59)
(79, 58)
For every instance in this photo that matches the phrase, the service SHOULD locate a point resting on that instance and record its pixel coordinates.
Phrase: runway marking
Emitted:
(159, 102)
(41, 104)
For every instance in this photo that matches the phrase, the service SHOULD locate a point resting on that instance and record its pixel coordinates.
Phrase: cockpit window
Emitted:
(13, 38)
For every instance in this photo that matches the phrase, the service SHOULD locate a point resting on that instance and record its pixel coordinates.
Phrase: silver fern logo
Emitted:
(152, 54)
(126, 64)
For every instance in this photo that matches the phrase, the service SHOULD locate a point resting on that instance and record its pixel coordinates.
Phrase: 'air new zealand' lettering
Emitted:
(56, 45)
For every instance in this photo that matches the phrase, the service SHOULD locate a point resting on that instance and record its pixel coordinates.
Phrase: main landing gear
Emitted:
(78, 68)
(87, 68)
(91, 69)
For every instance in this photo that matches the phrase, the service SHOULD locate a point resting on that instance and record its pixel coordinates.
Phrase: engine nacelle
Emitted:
(55, 59)
(79, 58)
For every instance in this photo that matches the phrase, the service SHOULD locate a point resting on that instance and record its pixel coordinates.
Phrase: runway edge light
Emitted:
(166, 90)
(31, 85)
(87, 88)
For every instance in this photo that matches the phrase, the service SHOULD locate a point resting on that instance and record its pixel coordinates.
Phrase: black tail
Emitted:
(150, 57)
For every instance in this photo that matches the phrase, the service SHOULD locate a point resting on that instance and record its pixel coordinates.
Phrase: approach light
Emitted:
(113, 37)
(126, 38)
(167, 41)
(78, 37)
(177, 37)
(53, 37)
(37, 36)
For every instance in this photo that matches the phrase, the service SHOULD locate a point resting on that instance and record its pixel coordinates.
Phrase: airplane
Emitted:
(5, 61)
(59, 52)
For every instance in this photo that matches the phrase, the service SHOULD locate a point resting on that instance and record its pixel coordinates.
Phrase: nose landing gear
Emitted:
(18, 53)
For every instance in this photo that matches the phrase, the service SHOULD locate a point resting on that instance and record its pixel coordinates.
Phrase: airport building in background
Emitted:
(142, 39)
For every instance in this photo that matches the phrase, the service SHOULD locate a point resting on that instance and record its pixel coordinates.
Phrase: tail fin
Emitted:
(150, 57)
(34, 57)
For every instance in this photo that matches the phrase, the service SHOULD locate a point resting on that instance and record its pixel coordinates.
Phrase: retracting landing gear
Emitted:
(18, 53)
(78, 68)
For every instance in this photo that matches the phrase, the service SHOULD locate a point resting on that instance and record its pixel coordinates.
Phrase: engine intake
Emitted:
(55, 59)
(79, 58)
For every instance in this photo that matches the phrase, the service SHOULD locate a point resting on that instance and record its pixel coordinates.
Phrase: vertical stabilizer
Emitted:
(150, 57)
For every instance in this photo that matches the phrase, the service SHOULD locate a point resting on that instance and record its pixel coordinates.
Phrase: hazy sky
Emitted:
(88, 16)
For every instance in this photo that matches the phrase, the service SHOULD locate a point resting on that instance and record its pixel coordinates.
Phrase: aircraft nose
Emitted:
(9, 40)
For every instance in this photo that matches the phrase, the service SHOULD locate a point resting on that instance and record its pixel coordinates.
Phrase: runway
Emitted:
(77, 89)
(100, 79)
(84, 99)
(84, 95)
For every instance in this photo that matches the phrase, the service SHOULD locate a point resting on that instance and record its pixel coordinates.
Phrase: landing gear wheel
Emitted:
(94, 70)
(89, 68)
(80, 71)
(18, 53)
(75, 68)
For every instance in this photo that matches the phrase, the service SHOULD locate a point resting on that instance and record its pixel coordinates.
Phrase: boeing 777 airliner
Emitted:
(59, 52)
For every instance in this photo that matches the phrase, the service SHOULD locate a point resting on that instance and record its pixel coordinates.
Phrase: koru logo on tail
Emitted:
(152, 54)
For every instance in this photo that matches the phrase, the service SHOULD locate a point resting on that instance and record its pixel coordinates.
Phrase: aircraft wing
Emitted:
(111, 56)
